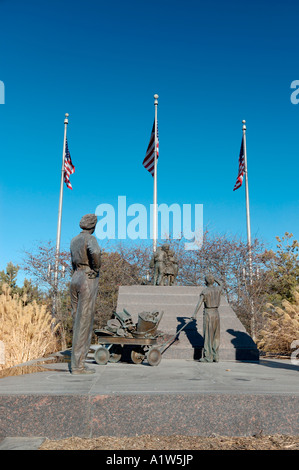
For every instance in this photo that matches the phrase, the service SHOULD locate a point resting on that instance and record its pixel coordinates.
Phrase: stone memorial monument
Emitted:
(86, 262)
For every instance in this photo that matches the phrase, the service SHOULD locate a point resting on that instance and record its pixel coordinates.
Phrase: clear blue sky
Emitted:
(212, 63)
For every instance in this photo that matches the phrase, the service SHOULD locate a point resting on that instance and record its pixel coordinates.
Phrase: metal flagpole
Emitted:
(246, 187)
(59, 219)
(155, 208)
(248, 226)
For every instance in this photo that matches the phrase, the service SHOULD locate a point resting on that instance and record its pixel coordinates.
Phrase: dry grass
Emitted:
(281, 326)
(26, 330)
(148, 442)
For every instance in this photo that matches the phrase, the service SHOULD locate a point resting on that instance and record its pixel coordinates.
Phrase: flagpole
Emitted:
(248, 226)
(246, 187)
(155, 208)
(59, 218)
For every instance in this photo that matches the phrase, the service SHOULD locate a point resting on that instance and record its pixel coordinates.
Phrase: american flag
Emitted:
(69, 168)
(149, 160)
(241, 168)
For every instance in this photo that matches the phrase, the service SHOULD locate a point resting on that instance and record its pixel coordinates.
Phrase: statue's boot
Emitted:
(86, 370)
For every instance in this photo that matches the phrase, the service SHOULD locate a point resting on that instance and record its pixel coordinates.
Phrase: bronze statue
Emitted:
(86, 262)
(158, 263)
(171, 266)
(165, 266)
(210, 296)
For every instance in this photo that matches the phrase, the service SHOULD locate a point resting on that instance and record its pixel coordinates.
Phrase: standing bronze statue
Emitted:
(171, 266)
(86, 262)
(158, 263)
(210, 296)
(165, 266)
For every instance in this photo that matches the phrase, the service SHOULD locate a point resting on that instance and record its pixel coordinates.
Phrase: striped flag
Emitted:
(149, 160)
(241, 168)
(69, 168)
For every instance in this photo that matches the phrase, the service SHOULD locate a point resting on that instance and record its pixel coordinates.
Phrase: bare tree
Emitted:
(225, 256)
(39, 265)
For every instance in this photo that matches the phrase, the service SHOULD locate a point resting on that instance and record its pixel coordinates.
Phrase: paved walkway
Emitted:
(268, 376)
(176, 397)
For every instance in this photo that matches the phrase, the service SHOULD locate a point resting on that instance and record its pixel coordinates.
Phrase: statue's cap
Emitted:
(210, 278)
(88, 221)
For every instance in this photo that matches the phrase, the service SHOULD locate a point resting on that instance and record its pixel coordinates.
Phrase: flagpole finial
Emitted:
(244, 125)
(156, 98)
(66, 118)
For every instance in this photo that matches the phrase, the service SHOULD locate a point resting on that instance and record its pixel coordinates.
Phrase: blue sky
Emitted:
(213, 64)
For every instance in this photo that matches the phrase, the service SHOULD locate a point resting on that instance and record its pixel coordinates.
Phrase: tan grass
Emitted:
(281, 326)
(26, 330)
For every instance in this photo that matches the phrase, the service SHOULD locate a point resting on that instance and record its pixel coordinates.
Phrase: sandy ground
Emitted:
(148, 442)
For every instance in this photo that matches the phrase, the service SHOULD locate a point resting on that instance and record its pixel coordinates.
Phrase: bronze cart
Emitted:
(143, 338)
(121, 332)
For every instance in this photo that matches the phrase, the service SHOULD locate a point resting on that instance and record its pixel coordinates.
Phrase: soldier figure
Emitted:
(165, 266)
(158, 263)
(171, 268)
(210, 296)
(86, 262)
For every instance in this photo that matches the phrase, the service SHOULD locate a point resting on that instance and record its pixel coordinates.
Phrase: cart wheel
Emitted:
(137, 356)
(115, 353)
(154, 357)
(101, 355)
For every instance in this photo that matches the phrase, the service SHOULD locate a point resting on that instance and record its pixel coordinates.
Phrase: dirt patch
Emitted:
(148, 442)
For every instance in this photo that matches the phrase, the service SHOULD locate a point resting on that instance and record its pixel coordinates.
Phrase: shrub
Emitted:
(281, 326)
(26, 329)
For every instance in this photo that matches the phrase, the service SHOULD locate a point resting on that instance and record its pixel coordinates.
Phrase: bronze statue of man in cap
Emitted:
(86, 262)
(210, 296)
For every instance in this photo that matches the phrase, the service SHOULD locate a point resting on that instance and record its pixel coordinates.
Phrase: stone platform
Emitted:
(178, 304)
(178, 397)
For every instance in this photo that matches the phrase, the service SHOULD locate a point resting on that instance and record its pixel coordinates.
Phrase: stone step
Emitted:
(178, 304)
